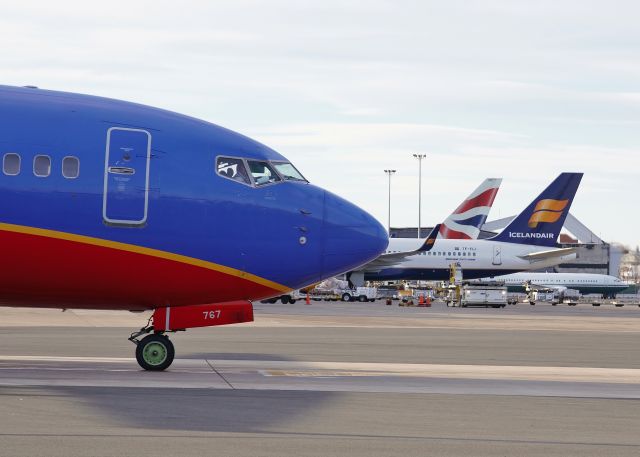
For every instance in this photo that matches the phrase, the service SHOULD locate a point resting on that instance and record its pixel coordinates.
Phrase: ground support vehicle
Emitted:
(569, 297)
(361, 294)
(468, 295)
(543, 295)
(289, 298)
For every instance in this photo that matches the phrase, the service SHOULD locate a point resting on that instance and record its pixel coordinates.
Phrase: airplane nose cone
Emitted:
(352, 236)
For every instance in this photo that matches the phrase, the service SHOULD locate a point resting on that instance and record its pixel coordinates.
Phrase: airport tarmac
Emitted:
(327, 379)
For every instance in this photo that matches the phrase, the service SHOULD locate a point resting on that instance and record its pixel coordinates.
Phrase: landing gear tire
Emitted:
(155, 352)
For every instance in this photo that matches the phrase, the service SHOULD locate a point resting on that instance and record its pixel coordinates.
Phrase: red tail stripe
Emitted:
(450, 234)
(486, 198)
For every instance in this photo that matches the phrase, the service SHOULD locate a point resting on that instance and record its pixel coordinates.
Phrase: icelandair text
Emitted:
(530, 235)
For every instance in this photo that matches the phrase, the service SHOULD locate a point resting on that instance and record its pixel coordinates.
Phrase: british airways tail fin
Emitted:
(540, 223)
(465, 222)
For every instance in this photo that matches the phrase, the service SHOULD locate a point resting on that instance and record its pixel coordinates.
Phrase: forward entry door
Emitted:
(126, 176)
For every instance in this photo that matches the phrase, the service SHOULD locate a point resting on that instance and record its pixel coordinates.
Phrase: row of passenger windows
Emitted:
(442, 253)
(256, 172)
(567, 281)
(449, 254)
(11, 164)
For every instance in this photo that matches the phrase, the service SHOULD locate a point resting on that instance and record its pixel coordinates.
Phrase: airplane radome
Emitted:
(112, 205)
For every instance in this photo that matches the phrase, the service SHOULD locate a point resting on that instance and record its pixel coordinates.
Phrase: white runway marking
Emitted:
(45, 358)
(302, 369)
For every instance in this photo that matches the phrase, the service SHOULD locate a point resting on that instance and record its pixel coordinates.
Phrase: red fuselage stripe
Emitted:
(44, 271)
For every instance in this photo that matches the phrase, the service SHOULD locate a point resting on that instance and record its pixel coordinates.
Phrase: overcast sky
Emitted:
(521, 90)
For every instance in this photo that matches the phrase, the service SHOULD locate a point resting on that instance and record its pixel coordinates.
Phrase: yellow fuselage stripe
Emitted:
(144, 251)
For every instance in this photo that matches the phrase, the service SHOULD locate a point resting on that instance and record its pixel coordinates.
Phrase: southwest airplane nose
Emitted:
(352, 236)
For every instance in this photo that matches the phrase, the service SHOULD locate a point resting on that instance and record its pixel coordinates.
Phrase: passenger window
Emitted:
(42, 166)
(70, 167)
(262, 173)
(11, 164)
(233, 169)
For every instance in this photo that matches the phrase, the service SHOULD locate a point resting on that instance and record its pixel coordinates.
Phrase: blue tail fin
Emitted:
(541, 222)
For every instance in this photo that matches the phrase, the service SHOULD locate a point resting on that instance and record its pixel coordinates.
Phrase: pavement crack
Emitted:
(220, 374)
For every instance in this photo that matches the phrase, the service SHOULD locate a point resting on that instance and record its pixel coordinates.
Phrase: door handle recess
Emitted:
(122, 170)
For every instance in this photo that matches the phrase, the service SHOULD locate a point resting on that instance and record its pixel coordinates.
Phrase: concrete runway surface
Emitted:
(327, 379)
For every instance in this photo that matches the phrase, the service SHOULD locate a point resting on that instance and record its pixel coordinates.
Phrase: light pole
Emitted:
(419, 157)
(389, 173)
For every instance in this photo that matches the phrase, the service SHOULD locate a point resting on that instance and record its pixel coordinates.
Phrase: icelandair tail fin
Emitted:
(465, 222)
(541, 222)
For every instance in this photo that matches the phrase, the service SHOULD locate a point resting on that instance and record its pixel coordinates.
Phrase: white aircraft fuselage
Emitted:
(585, 283)
(475, 258)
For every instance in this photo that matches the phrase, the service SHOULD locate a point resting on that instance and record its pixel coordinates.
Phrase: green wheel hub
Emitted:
(154, 353)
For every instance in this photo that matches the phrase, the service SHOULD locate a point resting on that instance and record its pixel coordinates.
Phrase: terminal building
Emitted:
(593, 254)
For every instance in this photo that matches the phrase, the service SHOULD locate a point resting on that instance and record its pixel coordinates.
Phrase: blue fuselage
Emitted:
(148, 180)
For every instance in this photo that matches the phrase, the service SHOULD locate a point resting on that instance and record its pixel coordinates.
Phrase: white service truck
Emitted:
(361, 294)
(480, 295)
(289, 298)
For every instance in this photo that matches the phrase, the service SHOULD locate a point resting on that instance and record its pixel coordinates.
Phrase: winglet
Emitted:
(431, 239)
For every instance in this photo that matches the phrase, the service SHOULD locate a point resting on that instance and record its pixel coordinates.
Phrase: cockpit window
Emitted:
(288, 171)
(233, 169)
(262, 173)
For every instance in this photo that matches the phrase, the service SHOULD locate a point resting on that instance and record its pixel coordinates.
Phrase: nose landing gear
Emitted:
(155, 352)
